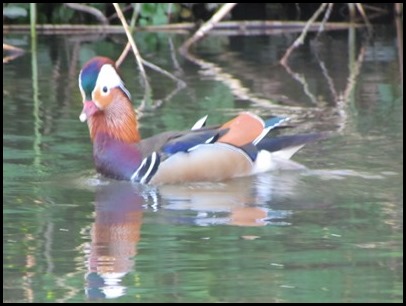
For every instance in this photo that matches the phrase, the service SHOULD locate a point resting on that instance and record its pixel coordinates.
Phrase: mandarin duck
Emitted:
(239, 147)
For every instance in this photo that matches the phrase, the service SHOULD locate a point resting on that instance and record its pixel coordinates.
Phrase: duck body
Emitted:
(239, 147)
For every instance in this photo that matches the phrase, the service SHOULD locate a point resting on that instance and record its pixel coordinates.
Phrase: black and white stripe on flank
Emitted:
(147, 169)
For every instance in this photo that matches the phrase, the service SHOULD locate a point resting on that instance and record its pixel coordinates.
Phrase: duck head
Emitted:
(107, 106)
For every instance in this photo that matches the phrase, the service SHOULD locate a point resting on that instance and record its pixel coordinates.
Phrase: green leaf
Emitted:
(148, 9)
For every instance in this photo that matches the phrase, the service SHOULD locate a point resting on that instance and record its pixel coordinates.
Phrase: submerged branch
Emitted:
(299, 41)
(302, 81)
(158, 103)
(173, 56)
(164, 72)
(222, 28)
(14, 52)
(238, 89)
(326, 75)
(7, 47)
(355, 69)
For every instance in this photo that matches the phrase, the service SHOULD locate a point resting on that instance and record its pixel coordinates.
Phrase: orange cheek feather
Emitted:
(103, 100)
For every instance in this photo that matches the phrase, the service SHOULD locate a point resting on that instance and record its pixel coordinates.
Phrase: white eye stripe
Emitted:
(108, 78)
(82, 92)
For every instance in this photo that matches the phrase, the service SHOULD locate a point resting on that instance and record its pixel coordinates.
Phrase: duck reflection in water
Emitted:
(114, 237)
(241, 202)
(119, 209)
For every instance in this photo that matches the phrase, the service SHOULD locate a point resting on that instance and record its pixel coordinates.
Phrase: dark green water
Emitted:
(333, 233)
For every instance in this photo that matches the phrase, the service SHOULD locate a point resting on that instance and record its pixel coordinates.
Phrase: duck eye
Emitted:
(105, 89)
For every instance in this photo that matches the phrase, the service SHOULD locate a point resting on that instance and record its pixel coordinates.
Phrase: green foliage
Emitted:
(156, 13)
(150, 13)
(62, 14)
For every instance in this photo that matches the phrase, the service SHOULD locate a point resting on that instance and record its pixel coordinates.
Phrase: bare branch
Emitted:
(141, 61)
(164, 72)
(325, 18)
(168, 12)
(138, 58)
(7, 47)
(123, 55)
(399, 34)
(125, 9)
(364, 16)
(173, 55)
(301, 79)
(299, 41)
(238, 89)
(207, 26)
(263, 27)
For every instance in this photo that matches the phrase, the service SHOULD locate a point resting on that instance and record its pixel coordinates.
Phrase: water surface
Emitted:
(331, 233)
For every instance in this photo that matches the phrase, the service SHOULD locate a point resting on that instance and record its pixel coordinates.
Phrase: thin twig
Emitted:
(141, 61)
(164, 72)
(399, 9)
(114, 15)
(136, 13)
(14, 52)
(10, 58)
(263, 27)
(168, 12)
(207, 26)
(173, 55)
(239, 90)
(302, 80)
(123, 55)
(399, 42)
(354, 72)
(300, 39)
(344, 97)
(159, 102)
(138, 57)
(7, 47)
(376, 9)
(351, 9)
(90, 10)
(364, 16)
(325, 18)
(326, 73)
